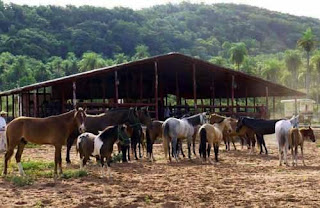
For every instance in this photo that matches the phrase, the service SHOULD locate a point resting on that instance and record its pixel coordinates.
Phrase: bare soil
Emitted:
(239, 179)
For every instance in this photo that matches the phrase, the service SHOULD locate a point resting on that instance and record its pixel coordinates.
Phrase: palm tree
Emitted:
(91, 60)
(271, 69)
(307, 42)
(238, 51)
(315, 60)
(293, 62)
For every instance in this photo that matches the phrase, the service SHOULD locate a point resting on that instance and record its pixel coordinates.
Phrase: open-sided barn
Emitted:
(147, 82)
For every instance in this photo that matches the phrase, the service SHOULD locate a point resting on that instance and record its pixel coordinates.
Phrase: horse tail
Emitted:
(203, 141)
(165, 136)
(166, 130)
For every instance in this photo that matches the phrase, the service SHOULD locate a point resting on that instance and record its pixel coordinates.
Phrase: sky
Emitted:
(309, 8)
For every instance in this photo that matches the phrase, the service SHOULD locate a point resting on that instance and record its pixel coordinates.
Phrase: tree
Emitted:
(293, 62)
(91, 60)
(271, 69)
(238, 51)
(307, 42)
(218, 60)
(315, 60)
(142, 51)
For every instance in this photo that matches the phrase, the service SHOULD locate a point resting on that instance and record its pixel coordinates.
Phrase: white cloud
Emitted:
(300, 8)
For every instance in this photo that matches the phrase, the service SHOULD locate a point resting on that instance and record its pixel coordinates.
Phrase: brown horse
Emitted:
(53, 130)
(296, 138)
(153, 132)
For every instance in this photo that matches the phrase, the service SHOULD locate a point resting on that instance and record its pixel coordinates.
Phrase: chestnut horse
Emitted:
(53, 130)
(296, 138)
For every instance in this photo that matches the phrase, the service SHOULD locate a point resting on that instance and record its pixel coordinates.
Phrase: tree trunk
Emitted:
(308, 75)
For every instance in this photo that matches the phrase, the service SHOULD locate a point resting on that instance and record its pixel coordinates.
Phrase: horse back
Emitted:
(38, 130)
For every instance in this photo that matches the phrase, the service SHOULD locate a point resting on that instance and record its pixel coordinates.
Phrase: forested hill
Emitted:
(194, 29)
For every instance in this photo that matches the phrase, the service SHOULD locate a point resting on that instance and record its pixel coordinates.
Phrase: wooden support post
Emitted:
(178, 100)
(0, 102)
(13, 106)
(103, 92)
(141, 83)
(295, 106)
(156, 89)
(212, 94)
(232, 95)
(116, 84)
(194, 87)
(63, 106)
(20, 101)
(127, 85)
(274, 107)
(35, 105)
(254, 104)
(37, 99)
(74, 94)
(246, 109)
(27, 104)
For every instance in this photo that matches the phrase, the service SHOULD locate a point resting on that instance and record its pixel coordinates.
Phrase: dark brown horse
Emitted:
(53, 130)
(96, 123)
(153, 132)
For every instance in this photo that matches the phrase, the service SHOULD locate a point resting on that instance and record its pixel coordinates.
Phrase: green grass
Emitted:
(31, 145)
(74, 174)
(39, 169)
(20, 180)
(117, 158)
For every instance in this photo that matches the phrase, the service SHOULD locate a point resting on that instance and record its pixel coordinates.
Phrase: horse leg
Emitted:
(174, 148)
(124, 149)
(296, 155)
(226, 143)
(216, 152)
(264, 144)
(102, 166)
(108, 165)
(208, 153)
(18, 157)
(234, 145)
(57, 160)
(189, 147)
(293, 155)
(280, 155)
(286, 154)
(139, 146)
(194, 145)
(69, 145)
(301, 146)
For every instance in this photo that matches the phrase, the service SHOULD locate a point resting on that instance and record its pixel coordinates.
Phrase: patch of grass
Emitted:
(38, 204)
(117, 158)
(20, 180)
(37, 165)
(31, 145)
(74, 174)
(318, 145)
(147, 199)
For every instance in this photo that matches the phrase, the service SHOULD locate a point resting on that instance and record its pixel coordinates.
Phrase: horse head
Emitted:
(203, 118)
(239, 124)
(144, 116)
(228, 127)
(311, 134)
(294, 121)
(133, 116)
(80, 117)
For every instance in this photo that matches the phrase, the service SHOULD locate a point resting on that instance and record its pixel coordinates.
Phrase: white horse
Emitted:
(174, 129)
(282, 129)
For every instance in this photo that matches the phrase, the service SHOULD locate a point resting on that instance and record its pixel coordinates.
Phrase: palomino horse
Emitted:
(282, 129)
(296, 138)
(103, 144)
(173, 129)
(96, 123)
(260, 127)
(213, 135)
(53, 130)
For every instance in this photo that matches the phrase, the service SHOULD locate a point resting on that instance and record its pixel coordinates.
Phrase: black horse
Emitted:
(260, 128)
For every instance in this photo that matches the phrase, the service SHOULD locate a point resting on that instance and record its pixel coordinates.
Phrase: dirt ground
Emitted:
(239, 179)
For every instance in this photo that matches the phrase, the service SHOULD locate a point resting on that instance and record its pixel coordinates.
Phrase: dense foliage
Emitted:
(44, 42)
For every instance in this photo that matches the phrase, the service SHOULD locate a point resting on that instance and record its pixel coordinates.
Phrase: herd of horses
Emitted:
(95, 135)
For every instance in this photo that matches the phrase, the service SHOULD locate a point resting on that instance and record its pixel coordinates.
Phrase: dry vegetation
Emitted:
(239, 179)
